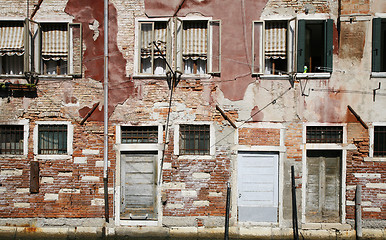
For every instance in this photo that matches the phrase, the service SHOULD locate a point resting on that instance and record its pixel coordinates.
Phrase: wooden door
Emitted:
(323, 186)
(138, 188)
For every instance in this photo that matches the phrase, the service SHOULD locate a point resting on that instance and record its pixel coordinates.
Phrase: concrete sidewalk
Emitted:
(178, 233)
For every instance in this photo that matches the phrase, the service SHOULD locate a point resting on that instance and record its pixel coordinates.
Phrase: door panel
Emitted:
(257, 187)
(323, 186)
(138, 195)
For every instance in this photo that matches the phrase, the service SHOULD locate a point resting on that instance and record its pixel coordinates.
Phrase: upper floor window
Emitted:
(274, 45)
(139, 134)
(324, 134)
(12, 139)
(189, 46)
(152, 60)
(314, 46)
(379, 141)
(11, 47)
(40, 48)
(379, 48)
(194, 139)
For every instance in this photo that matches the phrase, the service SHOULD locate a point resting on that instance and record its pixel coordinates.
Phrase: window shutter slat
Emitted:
(329, 25)
(376, 51)
(301, 45)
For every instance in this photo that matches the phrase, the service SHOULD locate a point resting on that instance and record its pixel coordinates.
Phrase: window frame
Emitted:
(25, 124)
(371, 140)
(3, 75)
(177, 150)
(328, 53)
(174, 46)
(70, 48)
(290, 48)
(70, 135)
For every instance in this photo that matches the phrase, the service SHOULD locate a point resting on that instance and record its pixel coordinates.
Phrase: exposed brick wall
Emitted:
(355, 6)
(259, 136)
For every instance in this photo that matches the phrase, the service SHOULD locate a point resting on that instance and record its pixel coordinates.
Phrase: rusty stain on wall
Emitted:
(120, 86)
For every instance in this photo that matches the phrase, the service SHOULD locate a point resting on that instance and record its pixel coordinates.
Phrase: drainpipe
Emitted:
(106, 111)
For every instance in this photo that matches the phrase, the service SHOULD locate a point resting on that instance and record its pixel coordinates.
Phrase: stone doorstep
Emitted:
(201, 232)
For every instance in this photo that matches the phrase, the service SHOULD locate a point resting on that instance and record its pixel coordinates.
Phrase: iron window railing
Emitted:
(194, 139)
(139, 134)
(380, 141)
(324, 134)
(52, 139)
(11, 139)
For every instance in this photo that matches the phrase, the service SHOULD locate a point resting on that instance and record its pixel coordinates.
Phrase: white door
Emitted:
(138, 189)
(258, 184)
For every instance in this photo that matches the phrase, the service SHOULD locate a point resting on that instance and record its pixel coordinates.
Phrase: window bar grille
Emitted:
(52, 139)
(380, 141)
(134, 134)
(11, 137)
(194, 139)
(324, 134)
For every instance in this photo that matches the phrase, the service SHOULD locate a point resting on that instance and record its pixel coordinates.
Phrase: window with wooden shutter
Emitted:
(11, 47)
(314, 46)
(378, 47)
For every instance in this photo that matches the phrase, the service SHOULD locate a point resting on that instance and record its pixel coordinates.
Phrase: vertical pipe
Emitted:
(226, 233)
(294, 207)
(106, 111)
(358, 212)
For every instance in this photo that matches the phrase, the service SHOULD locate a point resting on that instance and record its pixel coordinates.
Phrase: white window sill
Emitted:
(11, 76)
(156, 76)
(273, 77)
(150, 223)
(313, 75)
(47, 77)
(378, 74)
(192, 157)
(163, 76)
(13, 156)
(54, 157)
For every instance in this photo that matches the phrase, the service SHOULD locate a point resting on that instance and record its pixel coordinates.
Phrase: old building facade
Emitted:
(201, 94)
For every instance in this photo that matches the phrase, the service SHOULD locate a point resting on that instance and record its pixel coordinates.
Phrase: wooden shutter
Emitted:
(376, 51)
(291, 44)
(258, 47)
(32, 56)
(214, 59)
(328, 50)
(75, 49)
(300, 57)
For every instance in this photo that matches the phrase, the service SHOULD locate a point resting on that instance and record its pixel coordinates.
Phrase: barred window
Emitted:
(380, 141)
(52, 139)
(194, 139)
(324, 134)
(11, 139)
(139, 134)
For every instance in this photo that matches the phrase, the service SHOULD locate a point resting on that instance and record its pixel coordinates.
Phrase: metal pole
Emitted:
(358, 212)
(294, 207)
(106, 110)
(228, 200)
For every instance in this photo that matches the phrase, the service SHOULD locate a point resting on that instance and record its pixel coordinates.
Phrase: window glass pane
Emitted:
(11, 139)
(380, 141)
(194, 139)
(52, 139)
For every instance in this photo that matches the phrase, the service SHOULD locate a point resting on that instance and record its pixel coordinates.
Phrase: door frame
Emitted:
(133, 148)
(280, 150)
(324, 146)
